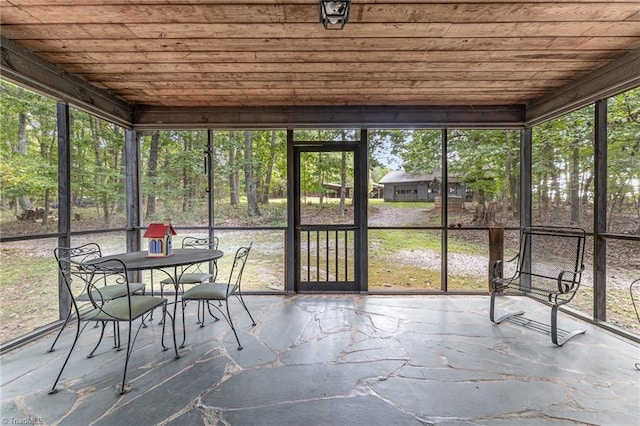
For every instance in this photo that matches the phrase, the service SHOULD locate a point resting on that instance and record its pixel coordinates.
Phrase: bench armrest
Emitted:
(563, 287)
(498, 282)
(496, 266)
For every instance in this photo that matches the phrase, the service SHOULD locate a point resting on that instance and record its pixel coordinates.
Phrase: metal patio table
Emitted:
(179, 260)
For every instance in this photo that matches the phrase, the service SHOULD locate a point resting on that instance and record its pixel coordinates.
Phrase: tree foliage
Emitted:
(250, 167)
(28, 154)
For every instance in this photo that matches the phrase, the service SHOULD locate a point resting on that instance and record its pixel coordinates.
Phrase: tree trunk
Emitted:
(575, 185)
(269, 176)
(482, 197)
(514, 196)
(23, 201)
(252, 196)
(95, 138)
(343, 181)
(587, 185)
(152, 174)
(320, 178)
(555, 189)
(233, 173)
(507, 179)
(47, 153)
(186, 184)
(546, 186)
(480, 215)
(544, 194)
(95, 132)
(492, 214)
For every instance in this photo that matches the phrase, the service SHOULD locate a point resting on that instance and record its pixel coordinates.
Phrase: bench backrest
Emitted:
(551, 259)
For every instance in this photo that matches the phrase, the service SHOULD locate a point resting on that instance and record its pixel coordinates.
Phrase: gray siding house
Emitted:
(401, 186)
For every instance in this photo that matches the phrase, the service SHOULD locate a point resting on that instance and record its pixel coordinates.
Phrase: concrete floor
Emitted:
(338, 360)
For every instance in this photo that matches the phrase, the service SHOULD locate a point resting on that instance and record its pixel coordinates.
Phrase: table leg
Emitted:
(172, 316)
(175, 306)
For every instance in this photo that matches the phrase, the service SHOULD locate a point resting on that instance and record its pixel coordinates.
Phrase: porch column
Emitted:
(132, 189)
(600, 214)
(64, 197)
(526, 160)
(362, 204)
(290, 243)
(444, 216)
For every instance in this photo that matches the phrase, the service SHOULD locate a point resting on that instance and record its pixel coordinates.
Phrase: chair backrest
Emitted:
(93, 275)
(76, 255)
(237, 269)
(80, 254)
(202, 243)
(551, 258)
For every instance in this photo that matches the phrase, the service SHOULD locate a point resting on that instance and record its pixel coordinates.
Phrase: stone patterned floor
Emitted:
(338, 360)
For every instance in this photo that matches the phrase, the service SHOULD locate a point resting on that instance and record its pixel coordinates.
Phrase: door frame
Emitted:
(360, 189)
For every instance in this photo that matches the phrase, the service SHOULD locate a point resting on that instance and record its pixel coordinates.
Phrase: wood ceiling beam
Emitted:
(157, 118)
(307, 12)
(232, 46)
(614, 78)
(24, 68)
(340, 68)
(307, 30)
(390, 56)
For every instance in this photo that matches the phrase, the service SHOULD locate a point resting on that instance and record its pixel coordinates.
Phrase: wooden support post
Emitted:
(496, 250)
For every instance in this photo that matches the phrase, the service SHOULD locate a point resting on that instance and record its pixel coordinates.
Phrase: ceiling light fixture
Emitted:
(334, 14)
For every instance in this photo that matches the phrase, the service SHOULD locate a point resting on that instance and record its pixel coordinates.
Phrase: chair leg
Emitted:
(131, 341)
(66, 321)
(554, 329)
(239, 296)
(492, 306)
(492, 311)
(202, 313)
(145, 291)
(162, 295)
(184, 328)
(104, 324)
(201, 304)
(80, 328)
(126, 360)
(116, 336)
(232, 327)
(165, 312)
(211, 313)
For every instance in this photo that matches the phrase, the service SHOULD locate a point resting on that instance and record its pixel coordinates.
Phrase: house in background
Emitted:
(159, 235)
(399, 185)
(376, 190)
(332, 190)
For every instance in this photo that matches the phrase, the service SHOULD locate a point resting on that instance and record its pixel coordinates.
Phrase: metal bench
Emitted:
(548, 267)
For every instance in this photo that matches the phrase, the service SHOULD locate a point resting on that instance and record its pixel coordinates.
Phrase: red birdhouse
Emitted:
(159, 235)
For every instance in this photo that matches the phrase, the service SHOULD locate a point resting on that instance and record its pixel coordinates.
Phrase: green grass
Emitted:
(373, 202)
(385, 275)
(394, 239)
(28, 278)
(429, 240)
(29, 287)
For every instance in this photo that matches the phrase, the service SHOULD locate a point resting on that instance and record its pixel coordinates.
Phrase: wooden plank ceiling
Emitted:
(276, 53)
